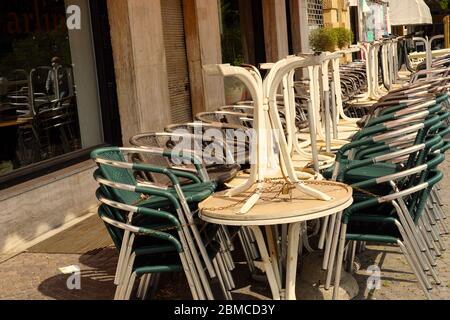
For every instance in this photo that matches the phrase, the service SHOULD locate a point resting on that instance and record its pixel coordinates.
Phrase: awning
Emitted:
(409, 12)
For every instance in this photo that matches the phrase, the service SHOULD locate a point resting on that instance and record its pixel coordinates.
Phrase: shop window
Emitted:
(49, 96)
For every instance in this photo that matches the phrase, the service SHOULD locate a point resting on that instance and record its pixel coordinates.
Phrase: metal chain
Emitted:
(285, 189)
(365, 192)
(142, 197)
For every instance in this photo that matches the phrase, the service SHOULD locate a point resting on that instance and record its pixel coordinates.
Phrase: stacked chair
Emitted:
(392, 164)
(356, 123)
(134, 207)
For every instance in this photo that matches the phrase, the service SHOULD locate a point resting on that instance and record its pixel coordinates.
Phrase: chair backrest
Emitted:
(116, 174)
(154, 140)
(248, 109)
(119, 227)
(115, 233)
(231, 118)
(418, 194)
(232, 134)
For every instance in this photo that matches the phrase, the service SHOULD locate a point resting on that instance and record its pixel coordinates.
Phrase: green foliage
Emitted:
(323, 39)
(327, 39)
(344, 37)
(443, 4)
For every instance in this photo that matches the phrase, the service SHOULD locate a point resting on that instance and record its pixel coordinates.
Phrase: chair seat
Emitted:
(157, 263)
(209, 186)
(208, 230)
(194, 193)
(373, 228)
(363, 173)
(371, 238)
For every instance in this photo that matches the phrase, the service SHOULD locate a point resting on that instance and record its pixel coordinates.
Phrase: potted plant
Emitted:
(323, 39)
(330, 39)
(344, 37)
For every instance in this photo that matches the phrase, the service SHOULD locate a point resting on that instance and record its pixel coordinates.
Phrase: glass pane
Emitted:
(231, 32)
(232, 49)
(40, 108)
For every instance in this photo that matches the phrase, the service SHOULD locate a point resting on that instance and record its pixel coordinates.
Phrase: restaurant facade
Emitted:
(79, 74)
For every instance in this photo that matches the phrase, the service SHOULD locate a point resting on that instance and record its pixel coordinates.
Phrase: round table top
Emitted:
(274, 208)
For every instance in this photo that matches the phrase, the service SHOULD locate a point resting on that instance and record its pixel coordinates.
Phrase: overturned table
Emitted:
(277, 207)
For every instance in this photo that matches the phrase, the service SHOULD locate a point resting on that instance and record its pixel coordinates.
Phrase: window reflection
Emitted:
(38, 108)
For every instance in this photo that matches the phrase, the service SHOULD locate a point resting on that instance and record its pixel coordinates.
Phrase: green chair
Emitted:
(357, 225)
(417, 154)
(118, 175)
(162, 252)
(216, 163)
(333, 229)
(385, 149)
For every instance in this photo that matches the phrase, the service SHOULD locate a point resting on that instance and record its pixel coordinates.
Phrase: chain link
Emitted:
(278, 187)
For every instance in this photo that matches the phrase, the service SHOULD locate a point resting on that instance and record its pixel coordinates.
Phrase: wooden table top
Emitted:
(12, 123)
(275, 208)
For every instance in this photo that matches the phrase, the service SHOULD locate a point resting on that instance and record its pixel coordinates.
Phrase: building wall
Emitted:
(141, 63)
(32, 209)
(336, 13)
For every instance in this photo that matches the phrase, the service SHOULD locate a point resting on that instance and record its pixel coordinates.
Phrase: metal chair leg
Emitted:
(323, 232)
(223, 272)
(150, 279)
(130, 286)
(305, 238)
(414, 268)
(414, 257)
(427, 237)
(226, 293)
(351, 256)
(191, 265)
(187, 271)
(340, 257)
(142, 282)
(335, 240)
(246, 250)
(128, 271)
(329, 242)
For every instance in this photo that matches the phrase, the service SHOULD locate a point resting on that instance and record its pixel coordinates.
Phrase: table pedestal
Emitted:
(270, 261)
(272, 210)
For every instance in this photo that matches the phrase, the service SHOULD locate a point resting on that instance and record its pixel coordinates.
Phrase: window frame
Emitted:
(108, 106)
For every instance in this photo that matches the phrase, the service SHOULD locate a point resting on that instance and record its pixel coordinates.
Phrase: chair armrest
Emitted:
(144, 231)
(387, 198)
